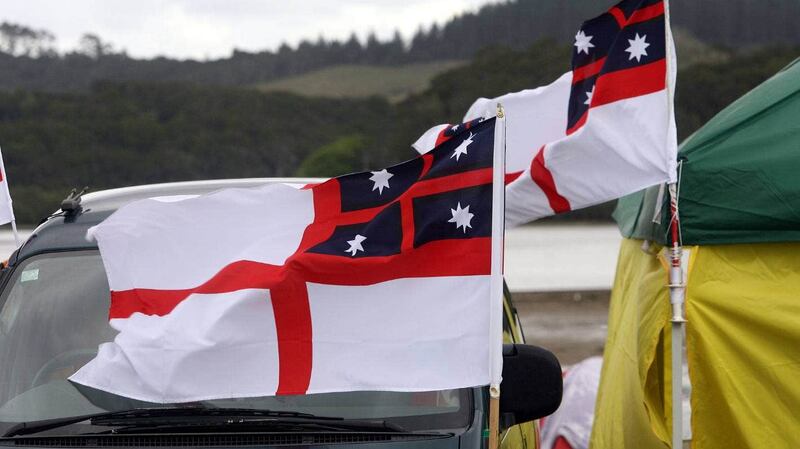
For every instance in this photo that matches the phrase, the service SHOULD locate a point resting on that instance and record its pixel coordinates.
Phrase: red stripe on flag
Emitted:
(544, 179)
(581, 121)
(646, 13)
(634, 82)
(327, 199)
(294, 331)
(441, 138)
(510, 177)
(455, 257)
(618, 15)
(451, 182)
(238, 275)
(427, 162)
(625, 84)
(407, 219)
(588, 70)
(146, 301)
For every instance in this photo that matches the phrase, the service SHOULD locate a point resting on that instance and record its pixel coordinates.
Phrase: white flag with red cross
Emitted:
(601, 131)
(371, 281)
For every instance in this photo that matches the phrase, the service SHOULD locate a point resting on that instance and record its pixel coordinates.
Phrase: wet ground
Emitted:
(573, 325)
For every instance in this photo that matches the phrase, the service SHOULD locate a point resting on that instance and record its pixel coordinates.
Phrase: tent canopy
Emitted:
(740, 179)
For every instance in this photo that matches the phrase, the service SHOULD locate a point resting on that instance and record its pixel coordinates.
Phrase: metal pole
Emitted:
(14, 230)
(496, 295)
(677, 292)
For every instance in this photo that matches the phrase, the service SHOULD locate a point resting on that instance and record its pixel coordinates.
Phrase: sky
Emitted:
(209, 29)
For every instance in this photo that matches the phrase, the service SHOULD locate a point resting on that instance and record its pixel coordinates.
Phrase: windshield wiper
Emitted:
(137, 420)
(29, 427)
(239, 418)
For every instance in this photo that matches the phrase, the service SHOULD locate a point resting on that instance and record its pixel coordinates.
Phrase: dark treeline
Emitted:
(28, 61)
(126, 133)
(121, 134)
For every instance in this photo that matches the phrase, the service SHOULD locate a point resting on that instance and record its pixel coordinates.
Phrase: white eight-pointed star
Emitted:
(583, 42)
(461, 217)
(589, 94)
(462, 148)
(638, 47)
(381, 180)
(454, 128)
(355, 245)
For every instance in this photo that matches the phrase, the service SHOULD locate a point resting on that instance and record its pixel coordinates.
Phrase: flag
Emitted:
(6, 209)
(601, 131)
(534, 117)
(371, 281)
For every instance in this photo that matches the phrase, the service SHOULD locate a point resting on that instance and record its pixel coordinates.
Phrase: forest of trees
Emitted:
(28, 59)
(125, 133)
(96, 117)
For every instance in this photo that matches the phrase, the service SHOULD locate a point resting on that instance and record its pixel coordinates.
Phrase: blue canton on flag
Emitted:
(628, 36)
(445, 194)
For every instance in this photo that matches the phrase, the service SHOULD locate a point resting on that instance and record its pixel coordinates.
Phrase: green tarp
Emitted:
(740, 180)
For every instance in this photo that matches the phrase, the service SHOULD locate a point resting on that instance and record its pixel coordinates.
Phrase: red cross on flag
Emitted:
(382, 280)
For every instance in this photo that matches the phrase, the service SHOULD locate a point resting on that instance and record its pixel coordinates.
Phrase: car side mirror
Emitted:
(532, 384)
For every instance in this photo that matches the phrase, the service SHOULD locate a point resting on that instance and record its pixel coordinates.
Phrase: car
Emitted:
(54, 301)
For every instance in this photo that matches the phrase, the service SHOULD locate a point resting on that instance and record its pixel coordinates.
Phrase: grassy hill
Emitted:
(361, 81)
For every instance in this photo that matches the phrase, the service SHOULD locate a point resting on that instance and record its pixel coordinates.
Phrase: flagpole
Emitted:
(496, 298)
(14, 231)
(677, 287)
(677, 293)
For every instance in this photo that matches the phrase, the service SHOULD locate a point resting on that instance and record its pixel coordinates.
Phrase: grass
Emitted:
(359, 81)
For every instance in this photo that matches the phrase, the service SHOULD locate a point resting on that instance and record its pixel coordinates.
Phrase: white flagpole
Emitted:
(14, 230)
(677, 293)
(677, 287)
(496, 300)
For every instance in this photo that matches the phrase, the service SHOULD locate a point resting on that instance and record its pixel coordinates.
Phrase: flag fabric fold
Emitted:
(371, 281)
(534, 117)
(601, 131)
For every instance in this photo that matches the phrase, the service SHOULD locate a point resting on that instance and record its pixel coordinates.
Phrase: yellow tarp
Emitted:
(743, 345)
(633, 405)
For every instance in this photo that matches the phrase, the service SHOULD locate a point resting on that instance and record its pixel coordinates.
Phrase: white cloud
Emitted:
(212, 28)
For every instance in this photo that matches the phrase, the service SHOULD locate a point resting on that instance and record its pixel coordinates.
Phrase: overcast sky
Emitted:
(212, 28)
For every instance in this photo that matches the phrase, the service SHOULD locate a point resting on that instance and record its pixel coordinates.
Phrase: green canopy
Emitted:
(740, 180)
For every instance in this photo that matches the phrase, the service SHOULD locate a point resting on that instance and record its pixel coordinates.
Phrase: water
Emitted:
(561, 257)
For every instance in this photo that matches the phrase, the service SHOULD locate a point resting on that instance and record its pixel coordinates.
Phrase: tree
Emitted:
(352, 49)
(339, 157)
(20, 40)
(92, 46)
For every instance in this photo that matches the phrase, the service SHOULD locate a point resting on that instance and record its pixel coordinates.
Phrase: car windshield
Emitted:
(54, 314)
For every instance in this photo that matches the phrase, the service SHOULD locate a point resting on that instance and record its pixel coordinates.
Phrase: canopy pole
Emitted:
(496, 294)
(677, 293)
